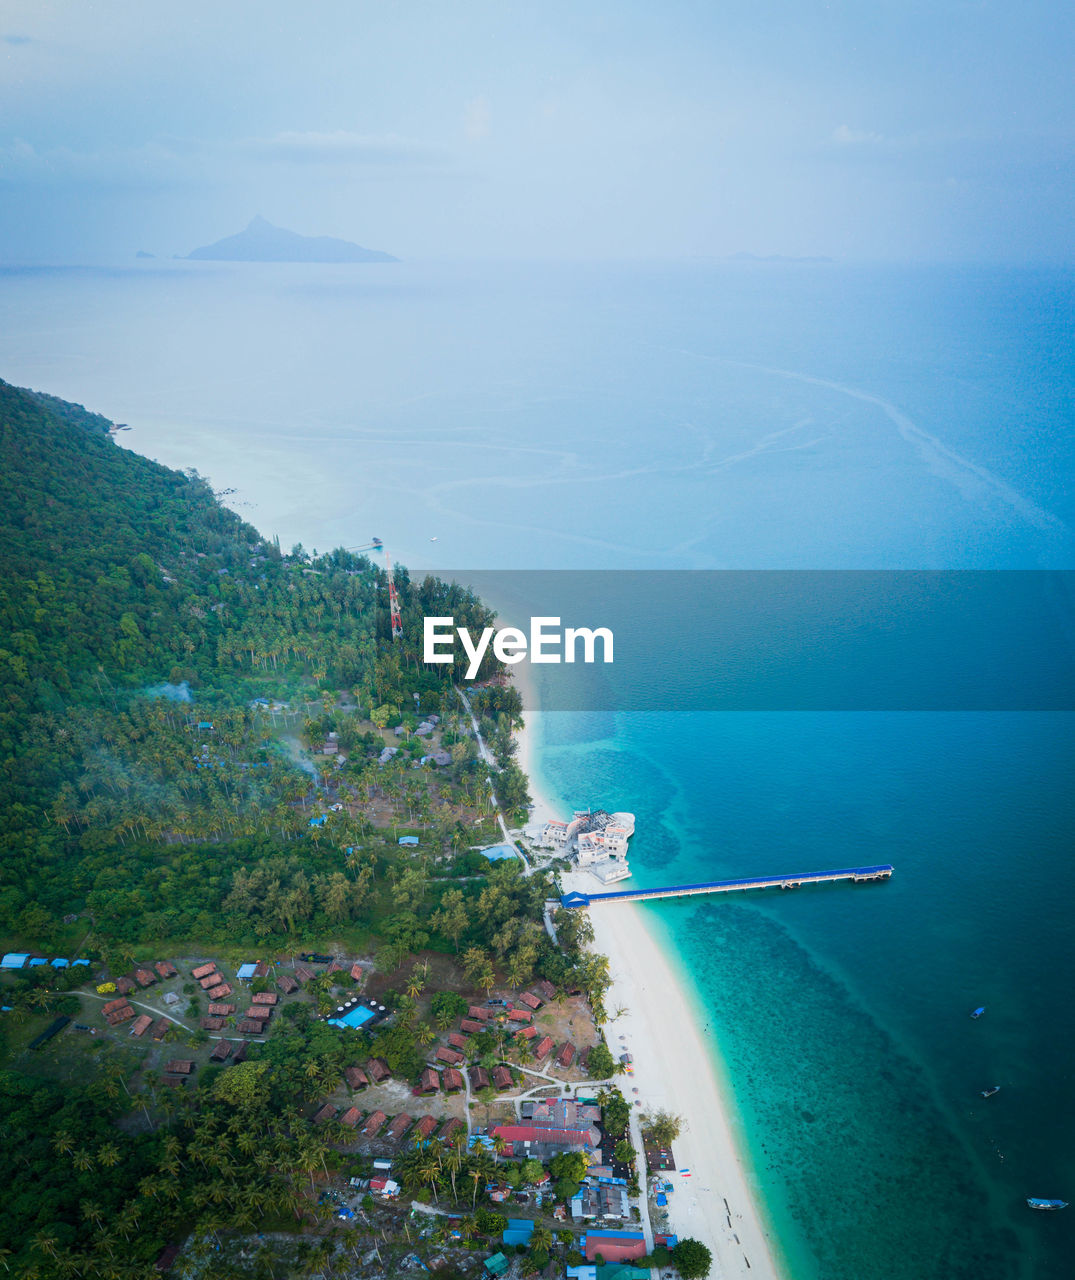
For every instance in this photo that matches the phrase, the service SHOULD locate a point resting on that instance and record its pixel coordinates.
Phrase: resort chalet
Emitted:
(374, 1124)
(356, 1078)
(424, 1128)
(399, 1127)
(351, 1117)
(429, 1081)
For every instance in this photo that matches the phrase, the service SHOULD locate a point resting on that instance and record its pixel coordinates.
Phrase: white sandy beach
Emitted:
(672, 1071)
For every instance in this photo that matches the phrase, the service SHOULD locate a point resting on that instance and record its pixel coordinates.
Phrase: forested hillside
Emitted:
(125, 586)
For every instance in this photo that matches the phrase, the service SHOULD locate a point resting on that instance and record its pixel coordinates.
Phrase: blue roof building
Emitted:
(36, 961)
(15, 960)
(60, 964)
(518, 1231)
(410, 841)
(246, 971)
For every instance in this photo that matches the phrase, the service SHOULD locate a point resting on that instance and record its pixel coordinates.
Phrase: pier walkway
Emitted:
(859, 875)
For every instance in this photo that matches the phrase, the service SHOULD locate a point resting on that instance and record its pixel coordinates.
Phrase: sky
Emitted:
(892, 130)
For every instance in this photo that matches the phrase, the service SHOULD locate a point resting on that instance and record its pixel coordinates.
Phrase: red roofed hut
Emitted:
(399, 1127)
(423, 1128)
(374, 1124)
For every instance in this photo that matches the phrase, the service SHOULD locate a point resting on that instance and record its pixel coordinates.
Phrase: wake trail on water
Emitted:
(973, 481)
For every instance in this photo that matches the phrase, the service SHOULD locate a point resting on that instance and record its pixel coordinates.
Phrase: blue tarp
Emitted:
(247, 971)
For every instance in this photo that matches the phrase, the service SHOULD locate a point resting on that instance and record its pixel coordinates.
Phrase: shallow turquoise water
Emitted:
(842, 1011)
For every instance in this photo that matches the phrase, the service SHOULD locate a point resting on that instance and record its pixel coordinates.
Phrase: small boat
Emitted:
(978, 1012)
(993, 1088)
(1047, 1204)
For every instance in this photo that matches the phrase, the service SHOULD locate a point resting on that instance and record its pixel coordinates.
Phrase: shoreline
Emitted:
(674, 1068)
(674, 1071)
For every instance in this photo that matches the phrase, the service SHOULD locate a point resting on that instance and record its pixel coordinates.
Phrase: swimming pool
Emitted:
(353, 1018)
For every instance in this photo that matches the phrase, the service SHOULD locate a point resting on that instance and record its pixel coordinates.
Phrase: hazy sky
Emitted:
(935, 129)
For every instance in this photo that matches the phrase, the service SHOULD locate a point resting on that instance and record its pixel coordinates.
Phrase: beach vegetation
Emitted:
(663, 1128)
(692, 1259)
(601, 1065)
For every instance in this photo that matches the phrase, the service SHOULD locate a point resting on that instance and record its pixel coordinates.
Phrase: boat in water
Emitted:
(977, 1013)
(993, 1088)
(1047, 1204)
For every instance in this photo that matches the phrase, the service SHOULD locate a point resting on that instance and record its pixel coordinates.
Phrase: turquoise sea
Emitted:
(711, 415)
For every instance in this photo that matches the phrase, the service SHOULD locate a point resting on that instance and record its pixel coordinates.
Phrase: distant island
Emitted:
(262, 242)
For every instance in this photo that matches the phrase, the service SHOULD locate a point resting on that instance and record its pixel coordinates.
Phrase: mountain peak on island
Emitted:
(261, 241)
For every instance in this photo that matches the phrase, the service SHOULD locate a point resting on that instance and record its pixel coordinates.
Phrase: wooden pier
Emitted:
(857, 875)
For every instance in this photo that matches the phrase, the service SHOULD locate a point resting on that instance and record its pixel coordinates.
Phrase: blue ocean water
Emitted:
(707, 416)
